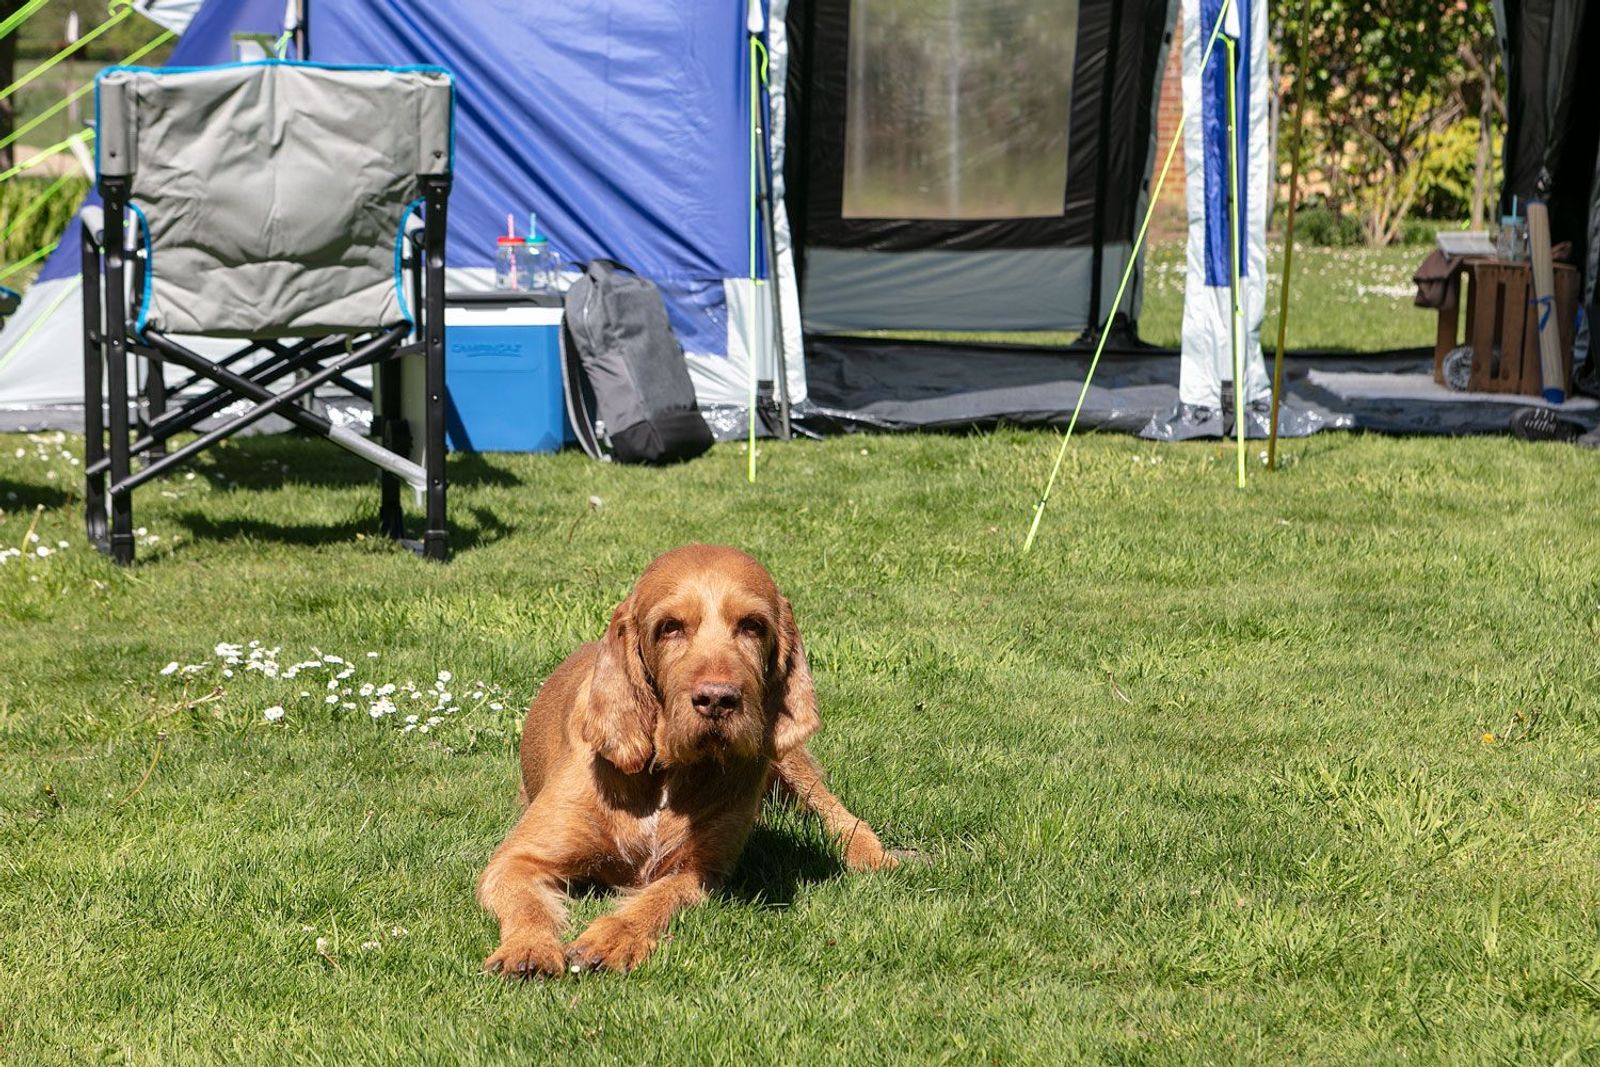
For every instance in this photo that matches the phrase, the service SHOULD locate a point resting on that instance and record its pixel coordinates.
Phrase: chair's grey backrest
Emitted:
(273, 192)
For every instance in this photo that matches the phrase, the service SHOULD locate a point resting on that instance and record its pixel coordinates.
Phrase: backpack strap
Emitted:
(572, 389)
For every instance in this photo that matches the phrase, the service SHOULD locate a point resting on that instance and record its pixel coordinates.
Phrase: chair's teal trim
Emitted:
(399, 257)
(145, 297)
(412, 68)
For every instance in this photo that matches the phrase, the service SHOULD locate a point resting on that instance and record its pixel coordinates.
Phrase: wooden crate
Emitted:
(1503, 325)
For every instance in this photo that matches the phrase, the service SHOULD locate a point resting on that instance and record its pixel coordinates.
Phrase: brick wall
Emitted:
(1169, 112)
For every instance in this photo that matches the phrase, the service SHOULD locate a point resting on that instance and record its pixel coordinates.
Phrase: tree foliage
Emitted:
(1388, 83)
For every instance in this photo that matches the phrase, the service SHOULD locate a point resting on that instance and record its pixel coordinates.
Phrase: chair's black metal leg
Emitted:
(94, 427)
(386, 411)
(435, 536)
(115, 191)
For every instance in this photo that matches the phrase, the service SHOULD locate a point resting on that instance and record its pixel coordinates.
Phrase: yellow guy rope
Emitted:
(53, 109)
(1127, 272)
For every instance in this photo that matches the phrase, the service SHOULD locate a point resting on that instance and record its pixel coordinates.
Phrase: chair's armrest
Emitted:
(93, 217)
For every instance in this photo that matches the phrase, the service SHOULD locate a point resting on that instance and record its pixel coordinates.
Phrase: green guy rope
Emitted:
(32, 258)
(1122, 286)
(1234, 312)
(20, 16)
(55, 149)
(34, 205)
(66, 52)
(53, 109)
(1288, 246)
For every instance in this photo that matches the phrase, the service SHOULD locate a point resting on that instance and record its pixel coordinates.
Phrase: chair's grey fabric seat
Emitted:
(273, 192)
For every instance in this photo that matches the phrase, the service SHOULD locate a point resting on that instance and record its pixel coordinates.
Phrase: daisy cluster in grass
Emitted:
(332, 683)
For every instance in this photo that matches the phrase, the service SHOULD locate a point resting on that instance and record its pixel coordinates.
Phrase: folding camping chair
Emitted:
(268, 203)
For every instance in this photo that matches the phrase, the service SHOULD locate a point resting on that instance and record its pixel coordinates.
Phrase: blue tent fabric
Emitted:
(208, 40)
(571, 111)
(1215, 119)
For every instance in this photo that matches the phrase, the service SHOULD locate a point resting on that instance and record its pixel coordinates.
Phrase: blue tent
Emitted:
(625, 127)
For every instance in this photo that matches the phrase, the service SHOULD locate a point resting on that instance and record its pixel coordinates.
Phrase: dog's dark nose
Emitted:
(715, 699)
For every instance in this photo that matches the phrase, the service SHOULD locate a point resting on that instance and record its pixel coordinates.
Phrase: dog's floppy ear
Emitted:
(796, 717)
(619, 720)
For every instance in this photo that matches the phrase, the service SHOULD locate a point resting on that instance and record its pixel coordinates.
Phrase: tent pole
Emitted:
(302, 32)
(1288, 242)
(764, 178)
(1233, 250)
(1122, 287)
(750, 329)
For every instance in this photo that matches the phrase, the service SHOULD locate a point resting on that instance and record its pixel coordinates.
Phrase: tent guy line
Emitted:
(1122, 287)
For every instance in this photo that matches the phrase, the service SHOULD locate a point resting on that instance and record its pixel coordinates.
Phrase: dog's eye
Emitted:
(753, 627)
(669, 628)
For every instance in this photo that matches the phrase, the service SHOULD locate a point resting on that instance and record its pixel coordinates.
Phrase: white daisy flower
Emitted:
(274, 713)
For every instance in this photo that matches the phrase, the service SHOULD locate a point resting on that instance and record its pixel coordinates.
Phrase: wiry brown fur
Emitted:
(628, 784)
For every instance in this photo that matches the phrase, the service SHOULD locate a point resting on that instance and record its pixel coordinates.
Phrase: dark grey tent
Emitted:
(1552, 144)
(969, 166)
(882, 191)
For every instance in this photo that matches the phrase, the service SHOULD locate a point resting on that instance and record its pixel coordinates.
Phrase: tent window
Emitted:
(958, 109)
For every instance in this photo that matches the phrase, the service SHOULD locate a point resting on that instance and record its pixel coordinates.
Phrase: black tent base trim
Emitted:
(874, 384)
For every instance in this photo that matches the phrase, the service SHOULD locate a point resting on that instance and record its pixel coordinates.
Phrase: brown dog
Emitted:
(645, 758)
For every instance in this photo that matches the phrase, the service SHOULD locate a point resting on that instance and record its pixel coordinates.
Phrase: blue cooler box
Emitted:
(503, 370)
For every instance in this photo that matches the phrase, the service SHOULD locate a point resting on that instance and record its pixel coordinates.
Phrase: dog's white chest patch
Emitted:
(651, 843)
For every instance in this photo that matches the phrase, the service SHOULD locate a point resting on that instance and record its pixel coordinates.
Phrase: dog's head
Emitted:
(702, 662)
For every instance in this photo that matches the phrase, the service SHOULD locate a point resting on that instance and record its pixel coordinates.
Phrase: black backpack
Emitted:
(626, 383)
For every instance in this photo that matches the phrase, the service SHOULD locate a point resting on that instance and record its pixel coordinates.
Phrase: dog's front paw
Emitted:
(610, 944)
(526, 957)
(864, 852)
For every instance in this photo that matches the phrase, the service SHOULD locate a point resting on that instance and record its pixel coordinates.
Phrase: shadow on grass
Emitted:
(17, 497)
(272, 462)
(776, 863)
(484, 528)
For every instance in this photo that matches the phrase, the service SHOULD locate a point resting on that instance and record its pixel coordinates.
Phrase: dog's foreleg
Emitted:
(522, 889)
(800, 780)
(621, 940)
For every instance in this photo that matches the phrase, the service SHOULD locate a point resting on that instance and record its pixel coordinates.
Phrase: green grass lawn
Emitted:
(1207, 778)
(1346, 299)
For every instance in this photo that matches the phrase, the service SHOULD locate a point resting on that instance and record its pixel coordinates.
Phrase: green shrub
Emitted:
(1318, 225)
(1418, 232)
(28, 223)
